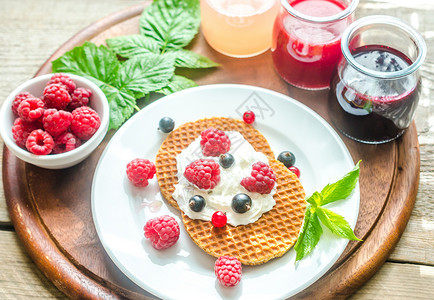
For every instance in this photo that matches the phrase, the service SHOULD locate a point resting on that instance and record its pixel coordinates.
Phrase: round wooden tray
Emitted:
(51, 209)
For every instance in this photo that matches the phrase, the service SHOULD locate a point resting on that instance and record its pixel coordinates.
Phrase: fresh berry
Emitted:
(204, 173)
(219, 219)
(287, 158)
(196, 203)
(214, 142)
(80, 97)
(241, 203)
(139, 171)
(56, 122)
(85, 122)
(21, 130)
(56, 96)
(40, 142)
(295, 170)
(63, 79)
(163, 232)
(17, 101)
(31, 109)
(65, 142)
(166, 124)
(228, 270)
(249, 117)
(262, 180)
(226, 160)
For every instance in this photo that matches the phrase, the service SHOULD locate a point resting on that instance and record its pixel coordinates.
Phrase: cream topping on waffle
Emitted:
(220, 198)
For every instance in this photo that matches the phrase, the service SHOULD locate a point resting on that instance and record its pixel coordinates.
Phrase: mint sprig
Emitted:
(316, 214)
(133, 66)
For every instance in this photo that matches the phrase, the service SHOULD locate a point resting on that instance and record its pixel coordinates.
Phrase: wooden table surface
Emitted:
(30, 31)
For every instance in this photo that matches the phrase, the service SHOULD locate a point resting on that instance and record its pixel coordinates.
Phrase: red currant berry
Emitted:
(249, 117)
(219, 219)
(294, 170)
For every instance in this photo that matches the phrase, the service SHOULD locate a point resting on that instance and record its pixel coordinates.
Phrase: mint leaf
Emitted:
(309, 234)
(143, 74)
(133, 45)
(172, 23)
(121, 105)
(177, 83)
(189, 59)
(96, 63)
(342, 188)
(314, 200)
(336, 223)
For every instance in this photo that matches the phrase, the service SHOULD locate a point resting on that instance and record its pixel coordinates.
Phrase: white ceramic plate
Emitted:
(184, 271)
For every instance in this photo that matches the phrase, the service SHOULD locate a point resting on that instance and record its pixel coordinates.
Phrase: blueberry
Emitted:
(196, 203)
(166, 124)
(241, 203)
(226, 160)
(287, 158)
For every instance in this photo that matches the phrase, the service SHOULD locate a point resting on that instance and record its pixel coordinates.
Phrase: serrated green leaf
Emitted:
(145, 73)
(314, 199)
(177, 83)
(189, 59)
(89, 60)
(121, 105)
(309, 234)
(132, 45)
(336, 223)
(172, 23)
(342, 188)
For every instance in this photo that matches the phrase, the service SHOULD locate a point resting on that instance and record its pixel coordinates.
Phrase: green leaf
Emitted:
(309, 234)
(172, 23)
(177, 83)
(121, 105)
(133, 45)
(90, 61)
(336, 223)
(143, 74)
(189, 59)
(314, 199)
(342, 188)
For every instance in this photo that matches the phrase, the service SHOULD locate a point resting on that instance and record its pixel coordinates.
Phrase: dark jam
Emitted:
(369, 109)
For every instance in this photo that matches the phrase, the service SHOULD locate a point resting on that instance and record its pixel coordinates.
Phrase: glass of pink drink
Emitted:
(375, 89)
(306, 40)
(239, 28)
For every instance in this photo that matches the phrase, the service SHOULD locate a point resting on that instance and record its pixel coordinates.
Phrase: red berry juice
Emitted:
(376, 110)
(306, 53)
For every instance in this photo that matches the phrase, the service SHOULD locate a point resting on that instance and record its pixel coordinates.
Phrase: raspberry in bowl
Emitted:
(62, 132)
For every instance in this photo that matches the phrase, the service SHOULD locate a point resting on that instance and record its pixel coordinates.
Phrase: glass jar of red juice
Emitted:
(306, 40)
(375, 89)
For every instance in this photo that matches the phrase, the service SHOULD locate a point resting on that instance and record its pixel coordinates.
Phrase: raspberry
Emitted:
(63, 79)
(80, 97)
(65, 142)
(214, 142)
(56, 122)
(85, 122)
(21, 130)
(204, 173)
(56, 96)
(17, 101)
(40, 142)
(262, 180)
(139, 170)
(31, 109)
(228, 270)
(163, 232)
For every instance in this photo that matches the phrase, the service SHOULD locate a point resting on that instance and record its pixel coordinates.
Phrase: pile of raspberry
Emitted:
(58, 121)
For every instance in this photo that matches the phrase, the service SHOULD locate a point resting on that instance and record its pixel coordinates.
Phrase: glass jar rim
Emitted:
(386, 20)
(339, 16)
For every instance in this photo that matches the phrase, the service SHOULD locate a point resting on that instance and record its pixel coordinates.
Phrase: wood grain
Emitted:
(416, 244)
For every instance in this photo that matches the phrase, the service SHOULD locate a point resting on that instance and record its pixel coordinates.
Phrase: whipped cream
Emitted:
(220, 198)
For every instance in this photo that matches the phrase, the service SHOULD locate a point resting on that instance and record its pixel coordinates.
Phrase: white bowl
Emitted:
(35, 86)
